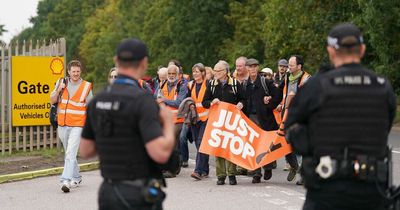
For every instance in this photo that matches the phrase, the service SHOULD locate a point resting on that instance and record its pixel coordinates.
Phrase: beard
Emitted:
(172, 80)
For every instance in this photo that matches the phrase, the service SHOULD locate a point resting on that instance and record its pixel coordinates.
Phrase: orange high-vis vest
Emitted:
(72, 111)
(172, 95)
(201, 111)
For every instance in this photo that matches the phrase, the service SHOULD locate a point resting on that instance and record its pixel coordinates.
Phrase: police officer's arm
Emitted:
(181, 96)
(208, 97)
(158, 136)
(306, 101)
(87, 148)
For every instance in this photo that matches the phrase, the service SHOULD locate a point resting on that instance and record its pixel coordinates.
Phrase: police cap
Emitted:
(131, 50)
(345, 35)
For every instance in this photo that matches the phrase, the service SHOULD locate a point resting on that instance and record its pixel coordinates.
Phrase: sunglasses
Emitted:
(112, 77)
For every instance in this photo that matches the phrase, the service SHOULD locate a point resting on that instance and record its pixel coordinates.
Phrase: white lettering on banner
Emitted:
(236, 144)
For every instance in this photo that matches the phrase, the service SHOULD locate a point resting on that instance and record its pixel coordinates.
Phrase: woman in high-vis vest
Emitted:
(72, 97)
(196, 90)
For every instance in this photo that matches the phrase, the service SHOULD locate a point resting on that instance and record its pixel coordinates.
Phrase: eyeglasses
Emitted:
(113, 77)
(219, 70)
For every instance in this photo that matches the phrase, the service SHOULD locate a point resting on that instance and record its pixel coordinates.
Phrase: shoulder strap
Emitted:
(234, 86)
(163, 84)
(212, 86)
(264, 85)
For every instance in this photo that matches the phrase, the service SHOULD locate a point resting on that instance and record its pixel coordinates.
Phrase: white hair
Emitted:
(224, 63)
(162, 70)
(173, 67)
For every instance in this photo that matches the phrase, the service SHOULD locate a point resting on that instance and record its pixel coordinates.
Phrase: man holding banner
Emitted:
(226, 89)
(262, 98)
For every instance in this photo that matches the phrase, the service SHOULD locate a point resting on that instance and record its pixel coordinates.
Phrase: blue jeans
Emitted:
(183, 143)
(202, 166)
(70, 138)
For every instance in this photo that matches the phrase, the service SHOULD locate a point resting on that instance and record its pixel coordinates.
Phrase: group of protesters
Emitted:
(262, 95)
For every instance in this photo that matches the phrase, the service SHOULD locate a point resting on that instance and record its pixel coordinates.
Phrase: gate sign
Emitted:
(33, 79)
(231, 135)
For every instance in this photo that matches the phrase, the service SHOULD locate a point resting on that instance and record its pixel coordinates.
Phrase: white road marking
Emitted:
(292, 208)
(277, 201)
(302, 198)
(394, 151)
(291, 193)
(260, 195)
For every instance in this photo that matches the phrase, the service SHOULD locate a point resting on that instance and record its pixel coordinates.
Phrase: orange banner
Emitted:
(231, 135)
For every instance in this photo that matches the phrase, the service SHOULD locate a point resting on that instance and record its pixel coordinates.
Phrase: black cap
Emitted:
(131, 50)
(345, 35)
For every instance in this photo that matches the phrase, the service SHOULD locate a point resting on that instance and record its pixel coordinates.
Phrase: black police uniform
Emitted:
(345, 113)
(121, 120)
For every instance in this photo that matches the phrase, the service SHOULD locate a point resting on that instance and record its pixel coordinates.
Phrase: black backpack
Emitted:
(53, 108)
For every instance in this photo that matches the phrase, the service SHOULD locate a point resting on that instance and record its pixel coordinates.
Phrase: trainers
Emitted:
(221, 181)
(204, 175)
(185, 164)
(292, 174)
(66, 186)
(196, 176)
(287, 167)
(168, 174)
(267, 174)
(300, 181)
(256, 179)
(75, 183)
(232, 180)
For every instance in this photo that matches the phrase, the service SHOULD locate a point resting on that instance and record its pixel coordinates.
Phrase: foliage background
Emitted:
(206, 31)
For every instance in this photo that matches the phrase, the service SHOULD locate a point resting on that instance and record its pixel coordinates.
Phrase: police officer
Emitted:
(339, 121)
(131, 134)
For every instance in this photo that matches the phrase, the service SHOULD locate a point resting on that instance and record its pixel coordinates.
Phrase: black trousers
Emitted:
(290, 158)
(345, 196)
(110, 198)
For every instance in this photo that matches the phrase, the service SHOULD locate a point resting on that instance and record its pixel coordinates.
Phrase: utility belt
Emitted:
(361, 168)
(150, 188)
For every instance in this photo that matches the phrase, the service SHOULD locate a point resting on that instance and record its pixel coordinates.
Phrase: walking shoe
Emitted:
(196, 176)
(221, 181)
(300, 181)
(292, 174)
(185, 164)
(232, 180)
(287, 167)
(267, 174)
(256, 179)
(204, 175)
(66, 186)
(168, 174)
(75, 183)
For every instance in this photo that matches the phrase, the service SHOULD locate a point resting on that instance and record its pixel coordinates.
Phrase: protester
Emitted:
(172, 94)
(279, 77)
(197, 89)
(72, 98)
(112, 74)
(267, 73)
(242, 72)
(132, 135)
(209, 73)
(226, 89)
(262, 98)
(293, 81)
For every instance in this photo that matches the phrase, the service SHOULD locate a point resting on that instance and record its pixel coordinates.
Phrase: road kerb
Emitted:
(44, 172)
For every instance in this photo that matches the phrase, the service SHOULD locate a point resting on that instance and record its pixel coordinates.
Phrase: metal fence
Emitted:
(25, 137)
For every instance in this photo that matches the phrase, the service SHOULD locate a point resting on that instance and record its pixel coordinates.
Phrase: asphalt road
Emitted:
(182, 192)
